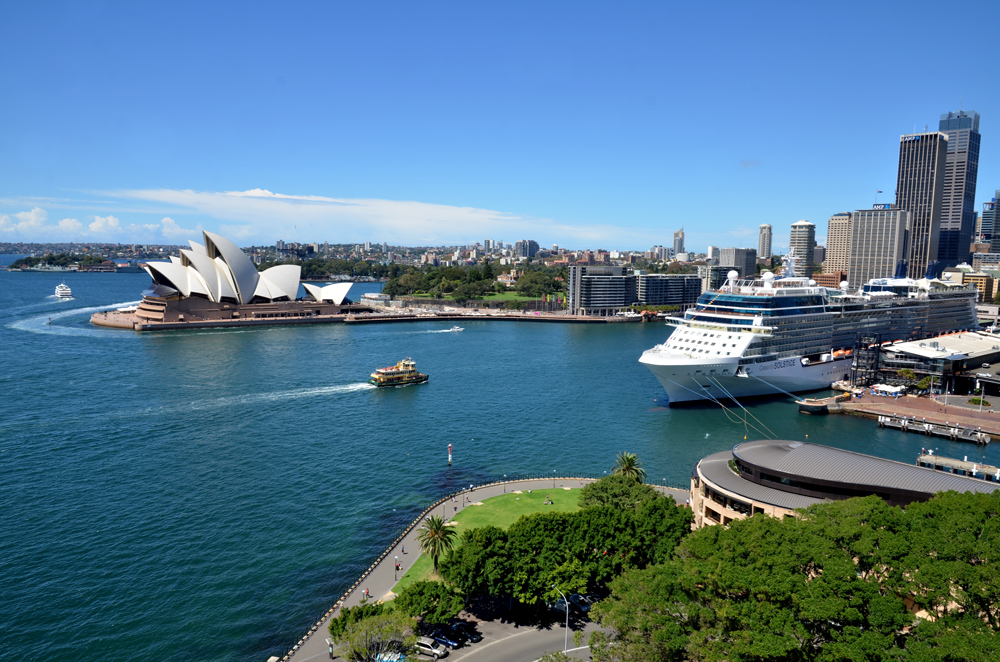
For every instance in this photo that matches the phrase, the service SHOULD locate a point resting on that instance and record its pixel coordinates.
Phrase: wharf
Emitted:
(922, 416)
(975, 470)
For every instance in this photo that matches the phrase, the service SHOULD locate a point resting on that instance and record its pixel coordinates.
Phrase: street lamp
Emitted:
(505, 483)
(566, 606)
(395, 571)
(553, 479)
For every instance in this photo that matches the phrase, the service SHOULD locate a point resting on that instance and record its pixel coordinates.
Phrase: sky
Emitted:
(588, 125)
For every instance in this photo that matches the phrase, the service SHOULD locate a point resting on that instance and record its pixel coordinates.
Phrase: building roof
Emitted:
(715, 468)
(953, 346)
(839, 466)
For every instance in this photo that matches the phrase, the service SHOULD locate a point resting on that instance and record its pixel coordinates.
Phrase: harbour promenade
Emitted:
(381, 576)
(938, 411)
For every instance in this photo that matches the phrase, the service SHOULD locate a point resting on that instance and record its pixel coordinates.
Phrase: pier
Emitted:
(975, 470)
(919, 415)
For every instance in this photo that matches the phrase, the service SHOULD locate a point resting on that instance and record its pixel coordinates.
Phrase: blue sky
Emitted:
(584, 124)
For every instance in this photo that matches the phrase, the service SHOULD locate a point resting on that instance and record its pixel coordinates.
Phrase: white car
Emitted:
(430, 648)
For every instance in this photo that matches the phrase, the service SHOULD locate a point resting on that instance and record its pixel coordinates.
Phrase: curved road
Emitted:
(526, 644)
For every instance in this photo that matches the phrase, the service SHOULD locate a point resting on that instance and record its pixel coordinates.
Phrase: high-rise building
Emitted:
(743, 259)
(526, 248)
(958, 202)
(802, 240)
(877, 243)
(989, 224)
(679, 242)
(712, 253)
(919, 190)
(838, 243)
(819, 254)
(599, 291)
(764, 242)
(667, 289)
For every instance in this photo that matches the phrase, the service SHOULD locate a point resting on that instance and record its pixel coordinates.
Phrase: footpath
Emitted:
(381, 576)
(937, 411)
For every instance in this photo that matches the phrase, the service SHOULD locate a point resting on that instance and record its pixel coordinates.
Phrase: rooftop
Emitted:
(824, 463)
(954, 346)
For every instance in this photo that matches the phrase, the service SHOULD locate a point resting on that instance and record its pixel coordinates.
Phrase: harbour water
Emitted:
(205, 495)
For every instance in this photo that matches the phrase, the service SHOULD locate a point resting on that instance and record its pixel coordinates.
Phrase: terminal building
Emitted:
(777, 477)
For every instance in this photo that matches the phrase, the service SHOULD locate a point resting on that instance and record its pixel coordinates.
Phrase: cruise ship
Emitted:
(789, 335)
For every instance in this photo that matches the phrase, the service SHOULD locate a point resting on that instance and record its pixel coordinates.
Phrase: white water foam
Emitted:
(280, 396)
(44, 323)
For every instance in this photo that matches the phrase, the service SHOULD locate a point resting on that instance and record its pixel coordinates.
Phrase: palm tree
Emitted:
(436, 538)
(628, 465)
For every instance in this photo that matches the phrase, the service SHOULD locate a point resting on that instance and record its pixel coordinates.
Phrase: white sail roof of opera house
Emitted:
(335, 293)
(219, 271)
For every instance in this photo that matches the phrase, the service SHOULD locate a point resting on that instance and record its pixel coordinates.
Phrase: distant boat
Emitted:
(63, 291)
(47, 268)
(403, 373)
(456, 328)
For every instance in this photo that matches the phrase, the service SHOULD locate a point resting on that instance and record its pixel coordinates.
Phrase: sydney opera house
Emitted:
(216, 284)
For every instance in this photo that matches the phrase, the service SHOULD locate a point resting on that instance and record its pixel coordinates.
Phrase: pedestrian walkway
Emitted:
(381, 576)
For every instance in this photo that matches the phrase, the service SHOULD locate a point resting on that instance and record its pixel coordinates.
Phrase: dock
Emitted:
(918, 415)
(976, 470)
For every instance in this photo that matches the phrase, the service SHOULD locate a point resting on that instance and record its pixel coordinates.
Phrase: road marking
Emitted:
(570, 650)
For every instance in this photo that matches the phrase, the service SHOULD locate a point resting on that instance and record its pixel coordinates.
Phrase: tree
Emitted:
(374, 638)
(436, 538)
(628, 465)
(557, 656)
(907, 374)
(924, 383)
(351, 615)
(618, 491)
(481, 564)
(431, 601)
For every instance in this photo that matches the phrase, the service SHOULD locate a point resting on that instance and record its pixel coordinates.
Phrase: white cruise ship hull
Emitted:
(694, 380)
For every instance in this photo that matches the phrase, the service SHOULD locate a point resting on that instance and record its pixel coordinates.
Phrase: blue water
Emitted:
(206, 495)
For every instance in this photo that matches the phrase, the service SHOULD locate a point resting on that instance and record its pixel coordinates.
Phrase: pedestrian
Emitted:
(404, 549)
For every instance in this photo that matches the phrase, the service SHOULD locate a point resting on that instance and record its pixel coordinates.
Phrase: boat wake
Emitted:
(280, 396)
(46, 324)
(454, 329)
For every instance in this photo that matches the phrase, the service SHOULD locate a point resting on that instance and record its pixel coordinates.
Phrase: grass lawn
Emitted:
(500, 511)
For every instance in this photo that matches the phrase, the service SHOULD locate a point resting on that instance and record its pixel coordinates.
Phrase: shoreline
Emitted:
(312, 645)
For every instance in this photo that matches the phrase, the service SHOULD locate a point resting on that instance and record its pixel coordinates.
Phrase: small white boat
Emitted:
(456, 328)
(63, 291)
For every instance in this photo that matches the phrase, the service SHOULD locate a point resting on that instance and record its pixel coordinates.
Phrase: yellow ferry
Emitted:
(403, 373)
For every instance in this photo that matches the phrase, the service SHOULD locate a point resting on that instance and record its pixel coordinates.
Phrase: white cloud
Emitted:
(171, 230)
(104, 225)
(264, 216)
(31, 220)
(70, 225)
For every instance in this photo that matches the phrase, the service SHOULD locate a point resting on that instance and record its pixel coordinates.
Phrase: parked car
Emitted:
(581, 602)
(430, 648)
(445, 638)
(468, 629)
(558, 605)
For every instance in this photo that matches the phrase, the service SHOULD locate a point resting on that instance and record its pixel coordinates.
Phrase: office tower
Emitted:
(526, 248)
(838, 243)
(712, 253)
(279, 245)
(743, 260)
(989, 223)
(958, 201)
(819, 254)
(877, 243)
(919, 188)
(802, 240)
(679, 242)
(764, 242)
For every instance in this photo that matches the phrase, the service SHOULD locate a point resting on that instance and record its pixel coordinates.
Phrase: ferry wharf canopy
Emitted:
(777, 477)
(215, 283)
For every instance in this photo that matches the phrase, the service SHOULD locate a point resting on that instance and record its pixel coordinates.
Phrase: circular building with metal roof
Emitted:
(777, 477)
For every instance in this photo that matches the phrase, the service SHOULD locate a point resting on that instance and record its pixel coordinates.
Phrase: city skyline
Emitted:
(445, 126)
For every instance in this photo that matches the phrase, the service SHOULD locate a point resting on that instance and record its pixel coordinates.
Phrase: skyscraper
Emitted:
(877, 243)
(919, 189)
(679, 242)
(802, 240)
(989, 223)
(838, 243)
(764, 242)
(958, 202)
(742, 259)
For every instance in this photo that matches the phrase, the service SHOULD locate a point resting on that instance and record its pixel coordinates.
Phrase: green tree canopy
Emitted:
(350, 615)
(616, 490)
(372, 638)
(436, 538)
(431, 601)
(628, 465)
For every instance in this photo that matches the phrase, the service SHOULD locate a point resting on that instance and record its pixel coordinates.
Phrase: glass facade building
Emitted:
(958, 205)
